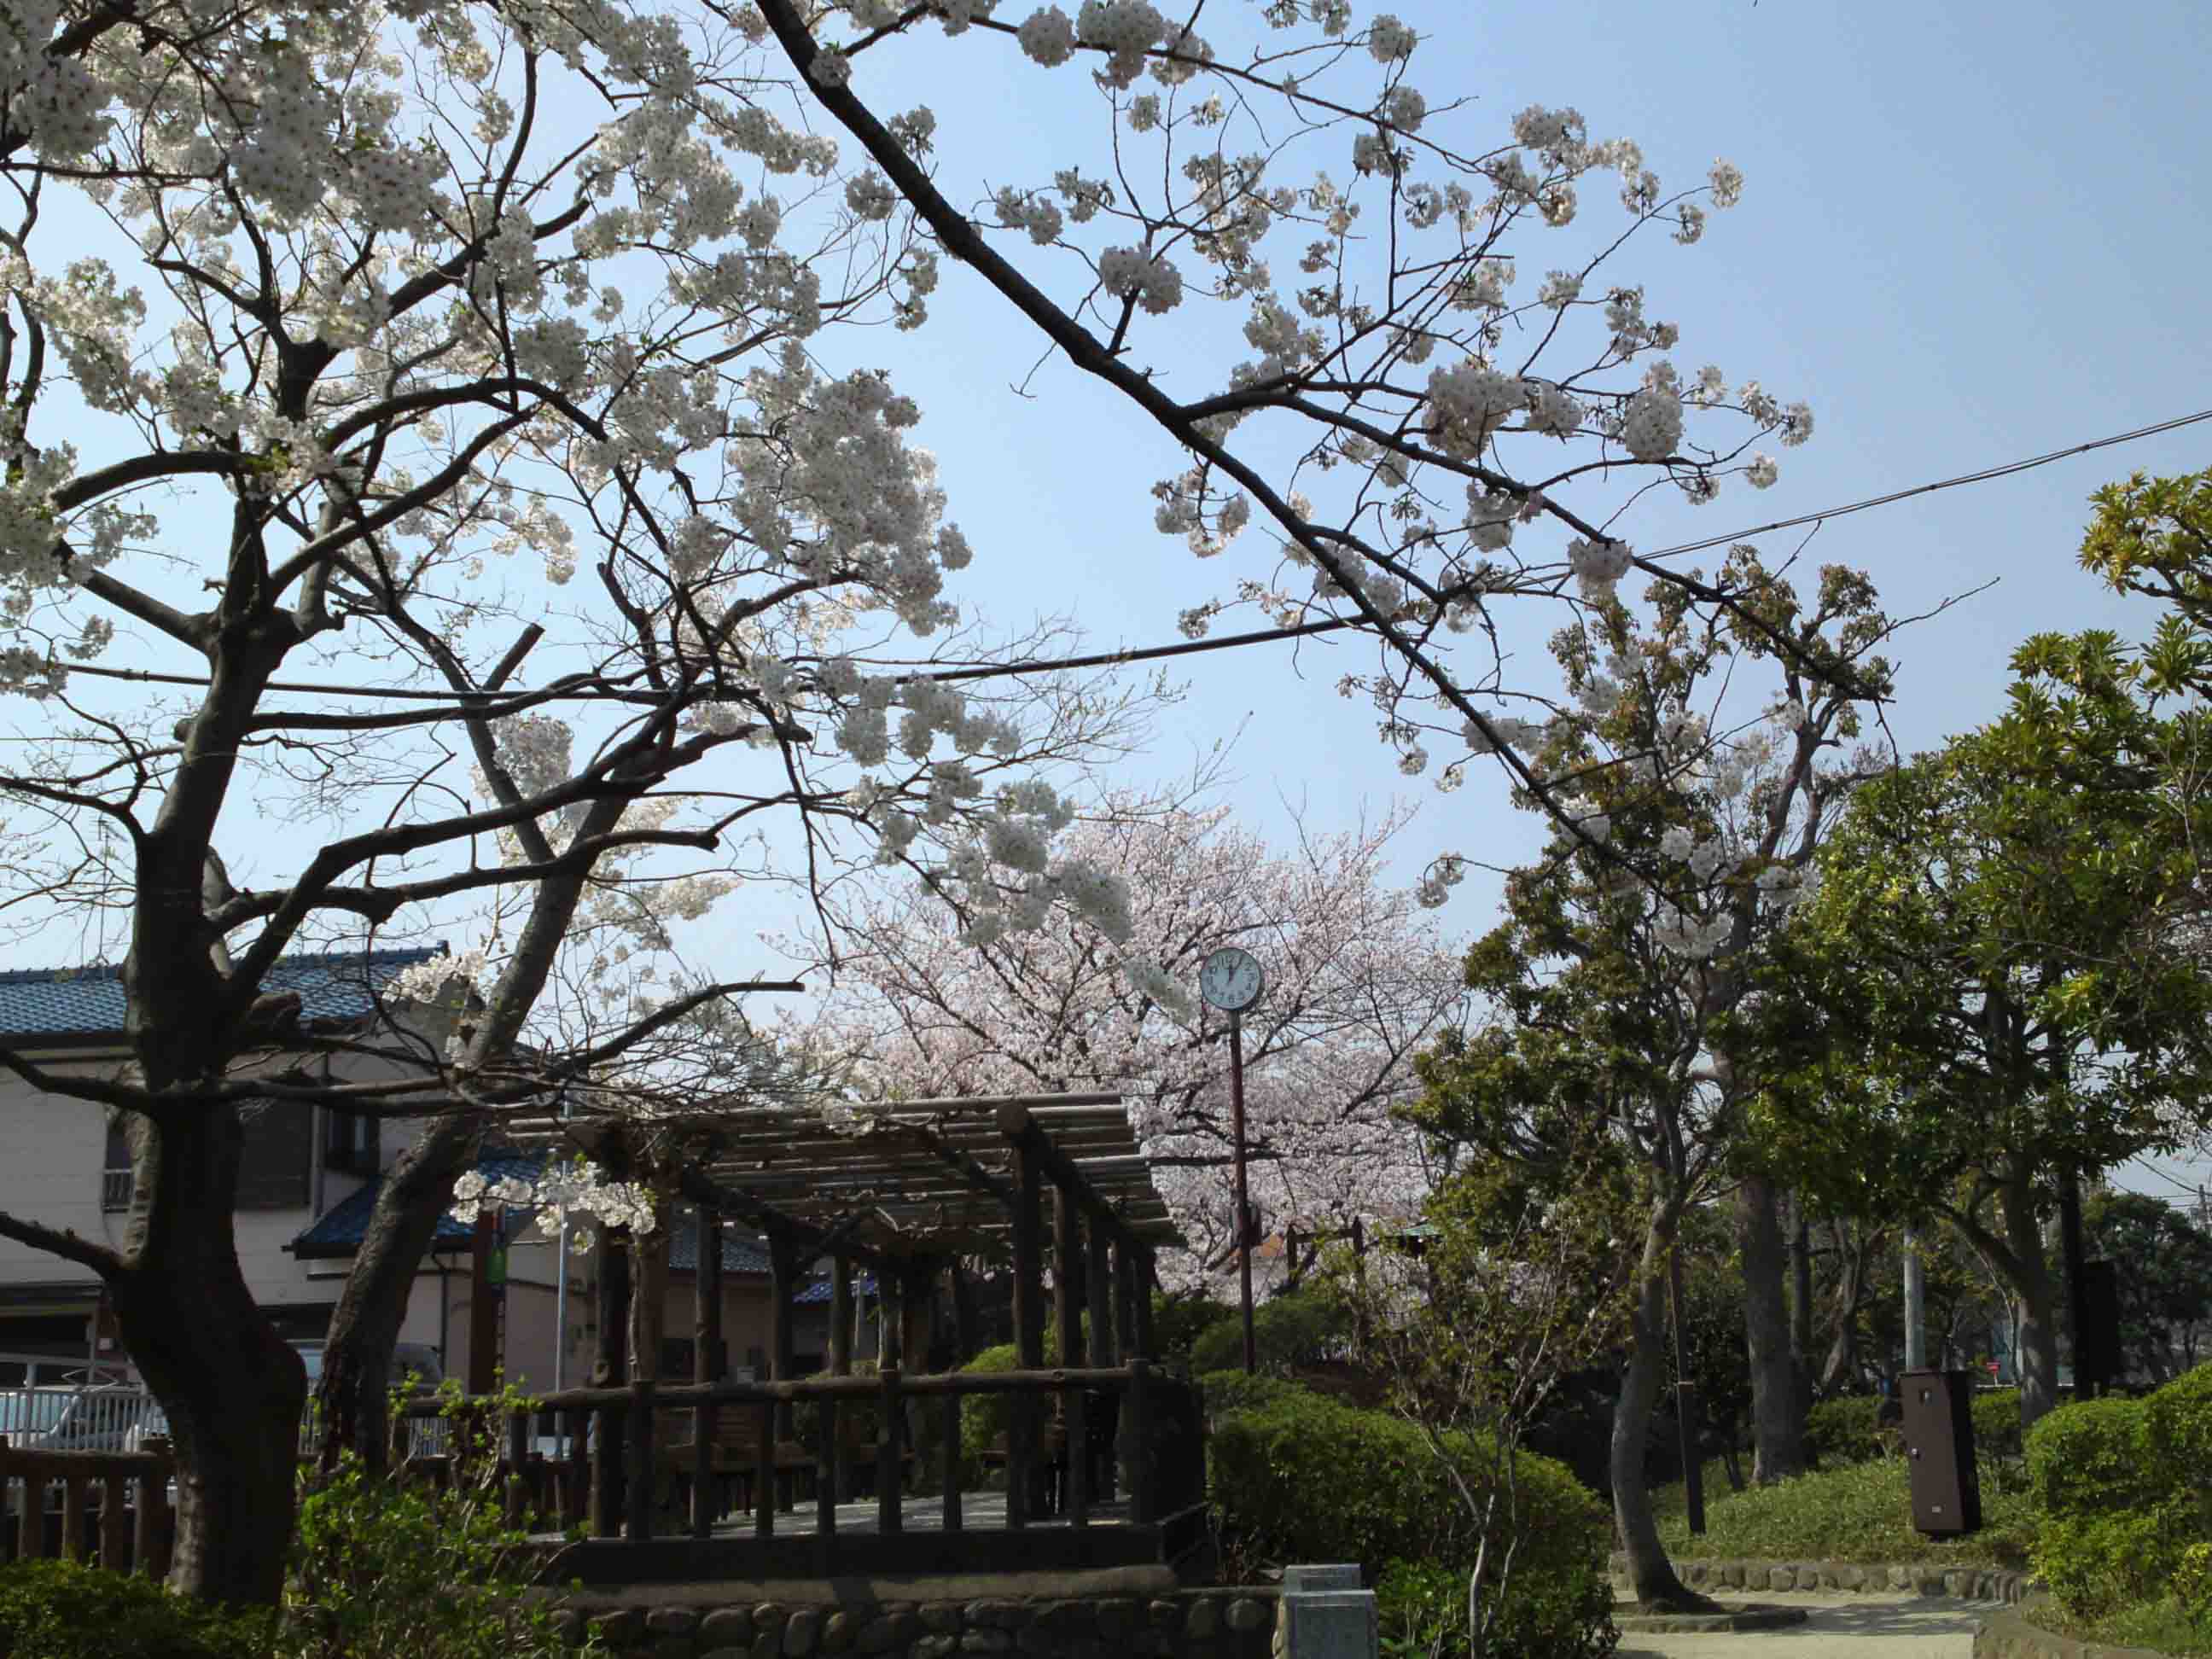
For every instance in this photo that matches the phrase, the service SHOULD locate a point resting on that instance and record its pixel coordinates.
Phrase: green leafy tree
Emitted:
(1626, 952)
(1981, 994)
(2163, 1258)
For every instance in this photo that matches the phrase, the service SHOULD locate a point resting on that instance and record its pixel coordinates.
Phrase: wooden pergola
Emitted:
(906, 1190)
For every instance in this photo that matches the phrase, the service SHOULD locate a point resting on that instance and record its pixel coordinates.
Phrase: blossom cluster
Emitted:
(571, 1196)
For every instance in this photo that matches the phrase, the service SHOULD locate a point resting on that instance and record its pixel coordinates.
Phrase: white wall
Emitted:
(51, 1152)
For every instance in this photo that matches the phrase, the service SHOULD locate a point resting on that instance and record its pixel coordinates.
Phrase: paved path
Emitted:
(1841, 1628)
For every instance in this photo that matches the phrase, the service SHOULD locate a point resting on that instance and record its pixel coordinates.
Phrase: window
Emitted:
(272, 1165)
(115, 1171)
(352, 1142)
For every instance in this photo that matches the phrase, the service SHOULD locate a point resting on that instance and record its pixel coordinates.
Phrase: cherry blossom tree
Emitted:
(1623, 997)
(931, 999)
(334, 344)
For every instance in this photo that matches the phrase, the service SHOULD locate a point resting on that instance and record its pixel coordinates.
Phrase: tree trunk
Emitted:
(1651, 1575)
(1840, 1370)
(232, 1387)
(2028, 1267)
(1777, 1423)
(351, 1397)
(1800, 1313)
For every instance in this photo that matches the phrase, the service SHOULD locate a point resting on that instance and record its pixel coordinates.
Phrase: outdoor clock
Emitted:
(1232, 979)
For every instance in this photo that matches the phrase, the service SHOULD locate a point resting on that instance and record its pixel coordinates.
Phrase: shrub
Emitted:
(2178, 1431)
(1295, 1328)
(63, 1610)
(2097, 1564)
(2091, 1458)
(1389, 1497)
(1233, 1391)
(1997, 1423)
(2126, 1488)
(1842, 1430)
(1421, 1608)
(385, 1568)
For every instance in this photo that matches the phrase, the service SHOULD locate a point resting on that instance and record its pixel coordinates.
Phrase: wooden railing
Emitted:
(614, 1489)
(130, 1528)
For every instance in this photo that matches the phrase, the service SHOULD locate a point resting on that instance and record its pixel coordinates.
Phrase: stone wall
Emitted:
(1916, 1577)
(1179, 1624)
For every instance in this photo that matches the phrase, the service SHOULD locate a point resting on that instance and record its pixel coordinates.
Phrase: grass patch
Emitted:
(1862, 1512)
(2165, 1627)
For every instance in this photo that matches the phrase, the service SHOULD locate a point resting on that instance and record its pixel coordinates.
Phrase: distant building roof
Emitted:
(81, 1002)
(750, 1256)
(341, 1229)
(345, 1224)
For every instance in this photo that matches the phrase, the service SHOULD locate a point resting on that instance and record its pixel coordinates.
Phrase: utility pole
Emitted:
(1916, 1294)
(1244, 1192)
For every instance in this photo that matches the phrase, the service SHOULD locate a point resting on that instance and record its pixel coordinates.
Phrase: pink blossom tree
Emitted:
(931, 999)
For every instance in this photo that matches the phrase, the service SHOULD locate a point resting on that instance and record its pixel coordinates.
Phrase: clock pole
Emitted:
(1243, 1201)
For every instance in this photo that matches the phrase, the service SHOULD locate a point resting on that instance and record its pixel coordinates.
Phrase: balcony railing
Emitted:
(115, 1189)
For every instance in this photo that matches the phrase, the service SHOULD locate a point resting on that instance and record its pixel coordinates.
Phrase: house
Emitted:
(308, 1181)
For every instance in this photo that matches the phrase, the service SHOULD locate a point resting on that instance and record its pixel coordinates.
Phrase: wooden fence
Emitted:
(114, 1507)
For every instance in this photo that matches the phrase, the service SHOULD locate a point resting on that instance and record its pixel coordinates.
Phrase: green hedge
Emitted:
(2125, 1488)
(1841, 1431)
(1295, 1328)
(62, 1610)
(1997, 1423)
(1295, 1476)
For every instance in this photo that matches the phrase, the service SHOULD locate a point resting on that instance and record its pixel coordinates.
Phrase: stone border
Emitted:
(2007, 1635)
(1856, 1578)
(1744, 1616)
(1226, 1622)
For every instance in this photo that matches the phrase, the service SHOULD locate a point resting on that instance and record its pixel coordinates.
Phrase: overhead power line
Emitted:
(1981, 477)
(596, 693)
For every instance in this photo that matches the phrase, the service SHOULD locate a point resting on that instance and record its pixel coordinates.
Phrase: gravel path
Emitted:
(1841, 1628)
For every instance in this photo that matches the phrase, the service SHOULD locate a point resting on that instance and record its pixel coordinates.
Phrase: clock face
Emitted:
(1230, 979)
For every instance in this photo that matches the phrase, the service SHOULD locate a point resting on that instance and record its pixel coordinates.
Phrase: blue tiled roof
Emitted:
(746, 1256)
(346, 1223)
(89, 1001)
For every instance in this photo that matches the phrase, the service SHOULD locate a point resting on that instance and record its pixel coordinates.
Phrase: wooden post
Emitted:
(641, 1483)
(1125, 1296)
(827, 1481)
(610, 1369)
(1105, 1326)
(1029, 1331)
(917, 1317)
(706, 1364)
(1067, 1275)
(484, 1312)
(1290, 1257)
(1099, 1294)
(1146, 1345)
(841, 1316)
(518, 1467)
(888, 1516)
(949, 1454)
(114, 1527)
(1139, 1415)
(764, 1473)
(967, 1337)
(782, 1272)
(890, 1317)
